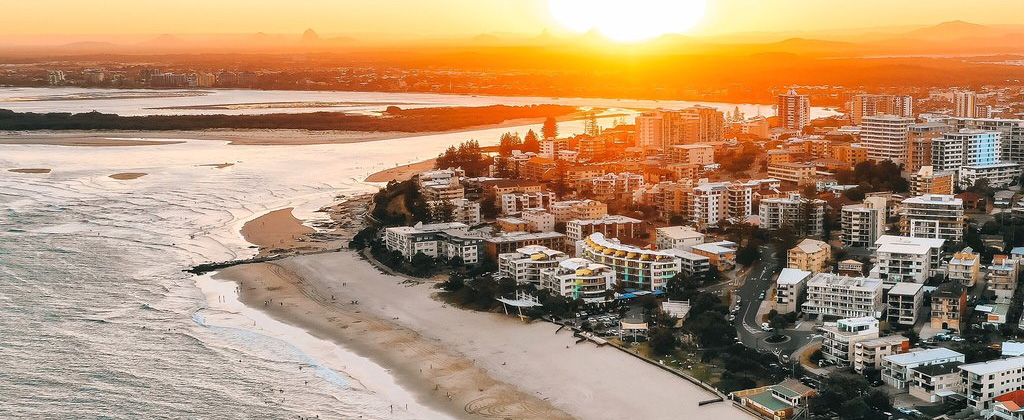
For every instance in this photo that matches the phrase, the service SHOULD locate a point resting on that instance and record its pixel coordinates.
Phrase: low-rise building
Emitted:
(565, 211)
(905, 301)
(839, 339)
(788, 288)
(810, 255)
(896, 369)
(514, 203)
(929, 181)
(691, 264)
(578, 278)
(512, 224)
(722, 254)
(1009, 406)
(868, 354)
(679, 237)
(933, 383)
(851, 268)
(949, 303)
(538, 220)
(985, 381)
(906, 259)
(1002, 278)
(964, 267)
(843, 297)
(798, 173)
(422, 238)
(526, 263)
(441, 184)
(778, 402)
(509, 242)
(804, 216)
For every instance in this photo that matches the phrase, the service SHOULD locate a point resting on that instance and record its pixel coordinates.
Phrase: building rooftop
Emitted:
(768, 401)
(686, 255)
(719, 248)
(524, 236)
(939, 369)
(608, 219)
(679, 232)
(907, 245)
(993, 366)
(949, 200)
(923, 356)
(810, 246)
(883, 341)
(793, 276)
(836, 280)
(906, 289)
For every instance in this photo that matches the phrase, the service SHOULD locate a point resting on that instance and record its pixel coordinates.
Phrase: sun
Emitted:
(629, 21)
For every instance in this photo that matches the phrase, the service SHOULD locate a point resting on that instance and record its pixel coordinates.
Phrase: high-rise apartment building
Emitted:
(973, 155)
(867, 105)
(885, 137)
(933, 216)
(963, 104)
(794, 110)
(1011, 134)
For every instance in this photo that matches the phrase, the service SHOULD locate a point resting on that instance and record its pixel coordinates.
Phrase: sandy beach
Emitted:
(490, 365)
(401, 173)
(471, 364)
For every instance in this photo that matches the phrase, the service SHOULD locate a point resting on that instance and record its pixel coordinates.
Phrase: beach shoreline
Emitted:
(468, 364)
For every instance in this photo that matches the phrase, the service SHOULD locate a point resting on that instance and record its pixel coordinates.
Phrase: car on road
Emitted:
(765, 326)
(760, 296)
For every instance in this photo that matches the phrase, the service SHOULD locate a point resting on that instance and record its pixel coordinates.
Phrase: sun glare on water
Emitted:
(629, 21)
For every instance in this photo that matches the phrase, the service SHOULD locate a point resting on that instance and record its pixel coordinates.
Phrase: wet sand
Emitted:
(401, 173)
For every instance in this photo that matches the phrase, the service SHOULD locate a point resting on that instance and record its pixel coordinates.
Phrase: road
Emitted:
(748, 327)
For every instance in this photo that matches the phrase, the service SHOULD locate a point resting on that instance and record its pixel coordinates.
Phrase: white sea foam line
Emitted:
(335, 357)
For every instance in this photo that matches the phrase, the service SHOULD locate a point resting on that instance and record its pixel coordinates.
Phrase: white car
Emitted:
(765, 326)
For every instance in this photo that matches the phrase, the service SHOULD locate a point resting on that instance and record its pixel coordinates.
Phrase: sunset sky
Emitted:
(441, 18)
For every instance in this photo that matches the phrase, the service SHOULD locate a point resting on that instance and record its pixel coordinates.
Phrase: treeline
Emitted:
(393, 119)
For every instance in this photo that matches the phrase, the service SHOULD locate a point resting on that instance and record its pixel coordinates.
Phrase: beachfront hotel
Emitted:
(635, 267)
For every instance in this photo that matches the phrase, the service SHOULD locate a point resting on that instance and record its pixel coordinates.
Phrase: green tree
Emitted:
(663, 340)
(550, 128)
(531, 143)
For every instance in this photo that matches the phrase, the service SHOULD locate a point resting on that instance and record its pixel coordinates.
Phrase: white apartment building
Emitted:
(514, 203)
(933, 383)
(794, 110)
(694, 154)
(974, 154)
(1011, 134)
(906, 259)
(839, 339)
(611, 185)
(797, 173)
(862, 224)
(933, 216)
(788, 288)
(636, 267)
(896, 369)
(649, 131)
(843, 297)
(709, 204)
(578, 278)
(885, 137)
(1002, 278)
(421, 238)
(678, 237)
(905, 301)
(525, 265)
(986, 380)
(868, 354)
(776, 213)
(538, 220)
(964, 104)
(690, 263)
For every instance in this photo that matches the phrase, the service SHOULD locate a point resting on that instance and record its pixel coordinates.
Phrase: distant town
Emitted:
(805, 268)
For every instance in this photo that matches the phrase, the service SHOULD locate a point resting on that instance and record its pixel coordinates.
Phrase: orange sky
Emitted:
(443, 18)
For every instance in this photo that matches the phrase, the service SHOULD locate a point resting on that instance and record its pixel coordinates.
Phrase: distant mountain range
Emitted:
(956, 37)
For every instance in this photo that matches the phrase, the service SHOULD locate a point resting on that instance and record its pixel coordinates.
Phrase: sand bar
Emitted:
(276, 231)
(401, 173)
(125, 176)
(30, 170)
